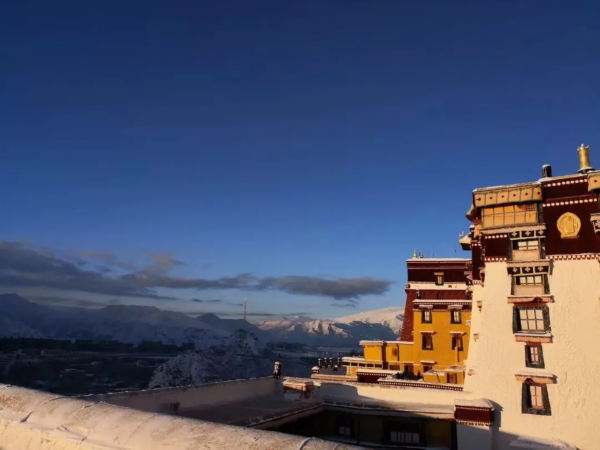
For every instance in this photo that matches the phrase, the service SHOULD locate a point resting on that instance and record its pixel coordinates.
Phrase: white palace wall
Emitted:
(573, 357)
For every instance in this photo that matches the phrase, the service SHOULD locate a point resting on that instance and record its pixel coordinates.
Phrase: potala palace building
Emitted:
(497, 352)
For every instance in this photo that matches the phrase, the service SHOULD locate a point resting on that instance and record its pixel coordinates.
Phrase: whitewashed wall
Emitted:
(574, 357)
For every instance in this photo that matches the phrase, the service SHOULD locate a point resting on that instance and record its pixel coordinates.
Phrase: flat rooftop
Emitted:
(253, 411)
(268, 409)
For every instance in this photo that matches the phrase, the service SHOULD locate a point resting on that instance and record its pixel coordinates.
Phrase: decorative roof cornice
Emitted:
(563, 181)
(419, 384)
(443, 302)
(541, 266)
(491, 230)
(575, 256)
(587, 199)
(593, 180)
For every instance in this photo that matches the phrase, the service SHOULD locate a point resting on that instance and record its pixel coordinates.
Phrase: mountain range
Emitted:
(131, 324)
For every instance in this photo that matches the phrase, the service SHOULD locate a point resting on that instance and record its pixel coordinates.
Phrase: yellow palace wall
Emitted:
(442, 352)
(395, 355)
(374, 351)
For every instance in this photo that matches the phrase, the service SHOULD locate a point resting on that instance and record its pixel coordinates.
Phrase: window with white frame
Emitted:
(530, 280)
(456, 316)
(529, 244)
(534, 355)
(531, 320)
(426, 316)
(535, 397)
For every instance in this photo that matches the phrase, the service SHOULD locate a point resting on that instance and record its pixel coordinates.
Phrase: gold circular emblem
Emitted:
(569, 225)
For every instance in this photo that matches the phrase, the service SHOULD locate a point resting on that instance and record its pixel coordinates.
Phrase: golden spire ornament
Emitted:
(584, 159)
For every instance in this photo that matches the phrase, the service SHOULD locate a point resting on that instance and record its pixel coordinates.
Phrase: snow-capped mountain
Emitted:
(132, 324)
(392, 317)
(242, 355)
(384, 324)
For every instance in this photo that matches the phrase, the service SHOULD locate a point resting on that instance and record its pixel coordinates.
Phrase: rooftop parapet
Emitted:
(37, 420)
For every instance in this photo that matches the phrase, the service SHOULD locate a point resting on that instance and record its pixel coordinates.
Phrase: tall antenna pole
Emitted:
(245, 304)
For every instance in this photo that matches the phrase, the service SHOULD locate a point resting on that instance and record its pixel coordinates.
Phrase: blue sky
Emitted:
(290, 152)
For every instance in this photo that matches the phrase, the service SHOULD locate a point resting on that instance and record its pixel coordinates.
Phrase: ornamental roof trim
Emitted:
(535, 262)
(503, 229)
(442, 302)
(508, 186)
(426, 260)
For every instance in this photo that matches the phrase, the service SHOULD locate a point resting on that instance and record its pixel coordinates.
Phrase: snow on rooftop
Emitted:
(436, 259)
(507, 186)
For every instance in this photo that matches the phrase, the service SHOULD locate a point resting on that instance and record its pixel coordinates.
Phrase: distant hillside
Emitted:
(128, 324)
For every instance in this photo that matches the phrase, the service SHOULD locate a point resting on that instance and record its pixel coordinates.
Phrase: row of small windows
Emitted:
(529, 319)
(530, 280)
(538, 282)
(535, 398)
(427, 317)
(395, 432)
(509, 215)
(427, 342)
(357, 364)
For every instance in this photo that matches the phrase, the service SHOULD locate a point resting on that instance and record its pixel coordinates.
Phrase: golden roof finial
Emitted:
(584, 159)
(415, 255)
